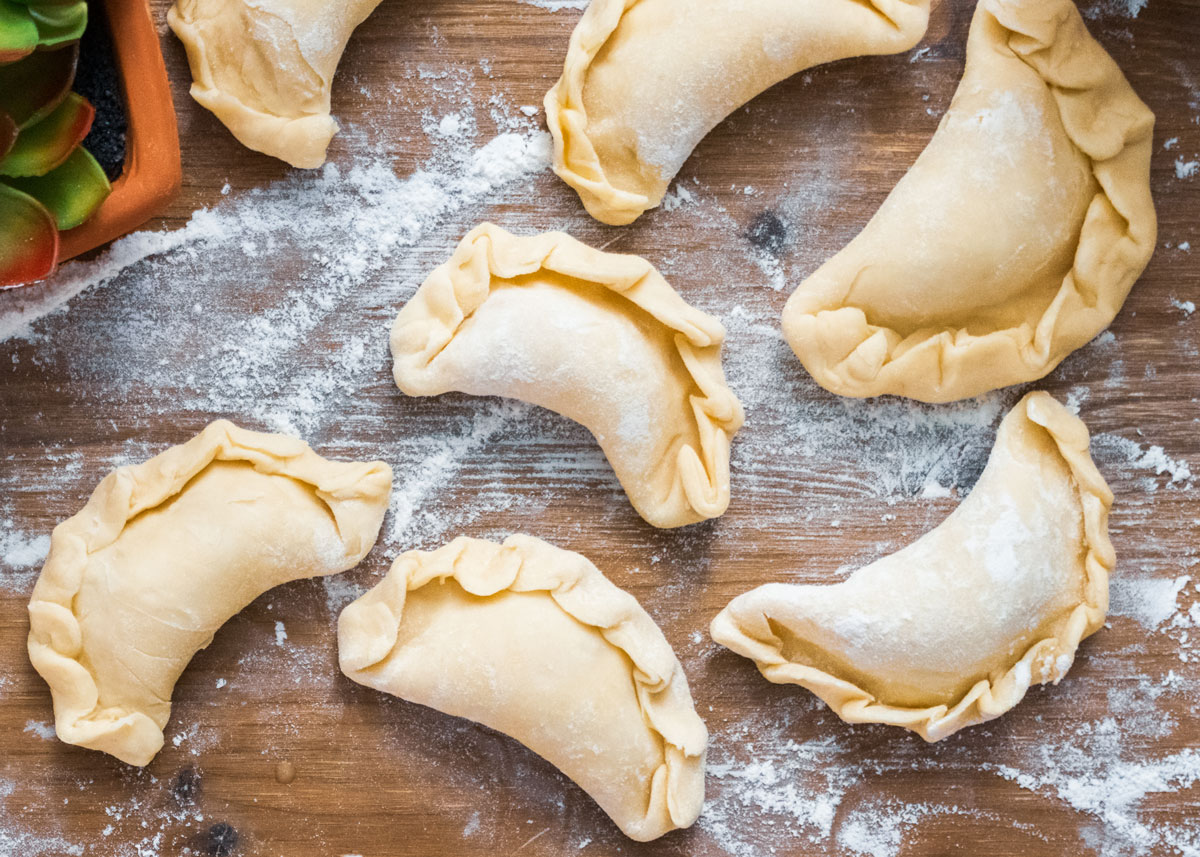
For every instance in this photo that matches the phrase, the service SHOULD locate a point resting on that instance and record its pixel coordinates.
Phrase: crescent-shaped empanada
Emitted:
(645, 80)
(533, 641)
(266, 67)
(952, 630)
(1012, 241)
(165, 552)
(598, 337)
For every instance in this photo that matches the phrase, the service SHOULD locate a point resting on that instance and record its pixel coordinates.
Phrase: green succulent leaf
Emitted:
(32, 88)
(28, 239)
(42, 147)
(18, 32)
(57, 24)
(72, 191)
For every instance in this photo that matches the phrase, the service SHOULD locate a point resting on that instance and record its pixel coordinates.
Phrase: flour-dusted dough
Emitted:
(533, 641)
(953, 629)
(1012, 241)
(265, 68)
(598, 337)
(165, 551)
(645, 80)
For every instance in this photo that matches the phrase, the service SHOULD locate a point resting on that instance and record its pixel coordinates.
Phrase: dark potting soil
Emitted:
(97, 80)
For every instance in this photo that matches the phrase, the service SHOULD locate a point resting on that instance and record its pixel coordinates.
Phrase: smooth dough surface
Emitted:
(598, 337)
(645, 80)
(165, 552)
(533, 641)
(1015, 237)
(952, 630)
(266, 67)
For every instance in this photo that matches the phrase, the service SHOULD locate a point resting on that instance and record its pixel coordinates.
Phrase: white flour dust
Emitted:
(1119, 8)
(557, 5)
(16, 839)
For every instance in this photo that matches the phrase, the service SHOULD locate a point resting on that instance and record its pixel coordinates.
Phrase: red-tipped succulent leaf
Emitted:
(28, 239)
(42, 147)
(18, 32)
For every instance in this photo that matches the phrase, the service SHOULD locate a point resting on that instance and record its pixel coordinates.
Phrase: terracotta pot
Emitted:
(152, 174)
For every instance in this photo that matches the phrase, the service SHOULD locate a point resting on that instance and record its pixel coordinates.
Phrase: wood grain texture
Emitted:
(820, 487)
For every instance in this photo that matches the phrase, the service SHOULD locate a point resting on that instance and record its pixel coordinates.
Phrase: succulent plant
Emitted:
(48, 181)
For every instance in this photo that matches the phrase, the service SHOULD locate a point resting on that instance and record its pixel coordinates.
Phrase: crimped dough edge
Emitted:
(1107, 121)
(367, 631)
(1043, 662)
(355, 492)
(300, 141)
(575, 159)
(460, 286)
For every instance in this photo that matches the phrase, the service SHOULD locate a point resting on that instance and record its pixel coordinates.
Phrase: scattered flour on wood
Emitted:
(1122, 8)
(1149, 601)
(16, 839)
(557, 5)
(20, 551)
(41, 729)
(1149, 458)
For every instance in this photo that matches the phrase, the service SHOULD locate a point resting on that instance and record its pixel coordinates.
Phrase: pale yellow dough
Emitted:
(952, 630)
(533, 641)
(645, 80)
(1012, 241)
(266, 67)
(165, 552)
(598, 337)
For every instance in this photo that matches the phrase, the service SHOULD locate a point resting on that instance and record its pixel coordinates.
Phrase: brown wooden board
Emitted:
(264, 312)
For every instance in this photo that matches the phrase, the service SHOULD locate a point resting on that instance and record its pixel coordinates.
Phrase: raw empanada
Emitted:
(598, 337)
(1012, 241)
(265, 68)
(533, 641)
(952, 630)
(645, 80)
(165, 551)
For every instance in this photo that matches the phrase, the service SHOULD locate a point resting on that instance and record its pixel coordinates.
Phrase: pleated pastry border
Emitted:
(300, 141)
(460, 286)
(356, 494)
(575, 159)
(1105, 119)
(367, 631)
(1045, 661)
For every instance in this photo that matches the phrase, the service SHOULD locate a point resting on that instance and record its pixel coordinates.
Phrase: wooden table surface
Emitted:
(245, 315)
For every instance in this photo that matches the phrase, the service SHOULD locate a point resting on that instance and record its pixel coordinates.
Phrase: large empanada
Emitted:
(265, 68)
(645, 80)
(1012, 241)
(953, 629)
(598, 337)
(165, 551)
(533, 641)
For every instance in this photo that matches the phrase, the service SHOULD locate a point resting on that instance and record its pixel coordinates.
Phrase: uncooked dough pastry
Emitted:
(598, 337)
(1012, 241)
(952, 630)
(533, 641)
(265, 68)
(165, 552)
(645, 80)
